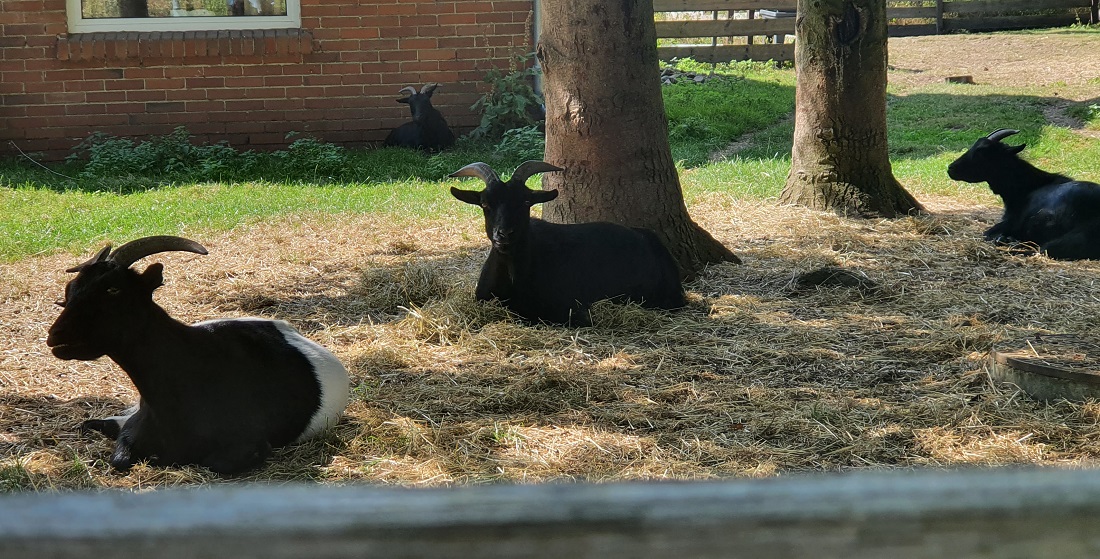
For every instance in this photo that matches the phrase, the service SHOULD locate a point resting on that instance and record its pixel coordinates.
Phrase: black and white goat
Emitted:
(428, 129)
(554, 272)
(220, 393)
(1055, 213)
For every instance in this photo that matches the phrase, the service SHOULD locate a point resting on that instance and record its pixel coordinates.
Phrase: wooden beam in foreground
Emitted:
(1031, 514)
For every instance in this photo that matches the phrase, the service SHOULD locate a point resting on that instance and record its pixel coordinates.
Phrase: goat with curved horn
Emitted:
(1051, 211)
(1000, 134)
(218, 393)
(528, 168)
(428, 129)
(137, 249)
(555, 271)
(480, 170)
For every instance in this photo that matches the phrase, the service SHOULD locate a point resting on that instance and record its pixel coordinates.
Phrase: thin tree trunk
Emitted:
(840, 160)
(133, 8)
(606, 125)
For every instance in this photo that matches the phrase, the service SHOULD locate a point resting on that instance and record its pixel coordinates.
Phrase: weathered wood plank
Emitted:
(911, 30)
(911, 13)
(711, 5)
(724, 28)
(1002, 6)
(728, 53)
(1036, 514)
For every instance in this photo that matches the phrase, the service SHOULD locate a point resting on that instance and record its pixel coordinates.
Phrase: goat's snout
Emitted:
(502, 240)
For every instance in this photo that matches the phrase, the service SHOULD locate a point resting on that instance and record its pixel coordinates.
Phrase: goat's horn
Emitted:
(480, 170)
(428, 88)
(1000, 134)
(137, 249)
(409, 89)
(528, 168)
(99, 257)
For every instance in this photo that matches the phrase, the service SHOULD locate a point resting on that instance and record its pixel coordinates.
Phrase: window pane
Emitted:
(94, 9)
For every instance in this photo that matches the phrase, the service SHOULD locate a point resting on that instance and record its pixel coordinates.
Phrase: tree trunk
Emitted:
(840, 161)
(606, 125)
(133, 8)
(1094, 12)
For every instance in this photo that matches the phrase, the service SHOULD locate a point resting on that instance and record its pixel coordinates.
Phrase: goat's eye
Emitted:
(113, 291)
(484, 205)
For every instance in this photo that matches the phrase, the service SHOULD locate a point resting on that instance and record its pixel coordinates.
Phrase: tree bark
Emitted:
(606, 125)
(133, 8)
(840, 160)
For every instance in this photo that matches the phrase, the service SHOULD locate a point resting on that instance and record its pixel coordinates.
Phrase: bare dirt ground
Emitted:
(999, 59)
(759, 376)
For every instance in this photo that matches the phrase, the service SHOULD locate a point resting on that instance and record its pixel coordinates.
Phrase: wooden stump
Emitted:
(1051, 367)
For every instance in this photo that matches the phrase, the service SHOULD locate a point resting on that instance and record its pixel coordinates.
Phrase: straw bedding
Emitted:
(769, 370)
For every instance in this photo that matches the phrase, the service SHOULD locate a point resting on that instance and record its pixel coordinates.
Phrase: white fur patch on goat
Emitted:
(121, 418)
(331, 376)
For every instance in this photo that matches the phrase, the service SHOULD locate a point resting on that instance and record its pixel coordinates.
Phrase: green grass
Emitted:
(170, 188)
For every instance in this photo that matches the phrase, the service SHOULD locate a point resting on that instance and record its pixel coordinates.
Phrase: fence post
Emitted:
(939, 17)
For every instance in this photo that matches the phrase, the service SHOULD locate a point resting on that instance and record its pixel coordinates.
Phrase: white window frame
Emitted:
(77, 24)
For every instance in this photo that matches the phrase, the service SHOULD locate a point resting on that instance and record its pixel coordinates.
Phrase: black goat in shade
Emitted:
(554, 272)
(428, 129)
(220, 394)
(1058, 215)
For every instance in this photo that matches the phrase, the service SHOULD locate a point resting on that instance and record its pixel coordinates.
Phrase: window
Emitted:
(87, 16)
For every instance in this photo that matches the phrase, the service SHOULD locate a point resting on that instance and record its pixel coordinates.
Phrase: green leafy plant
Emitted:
(312, 157)
(511, 100)
(522, 143)
(170, 156)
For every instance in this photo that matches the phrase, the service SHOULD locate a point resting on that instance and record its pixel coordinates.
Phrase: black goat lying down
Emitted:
(1055, 213)
(428, 129)
(220, 393)
(554, 272)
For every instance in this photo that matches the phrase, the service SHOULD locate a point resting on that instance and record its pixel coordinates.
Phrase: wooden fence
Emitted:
(759, 29)
(988, 513)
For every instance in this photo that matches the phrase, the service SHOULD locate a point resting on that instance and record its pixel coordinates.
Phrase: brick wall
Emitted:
(335, 79)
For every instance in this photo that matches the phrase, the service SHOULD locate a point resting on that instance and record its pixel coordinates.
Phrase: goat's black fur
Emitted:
(220, 394)
(554, 272)
(1056, 214)
(428, 129)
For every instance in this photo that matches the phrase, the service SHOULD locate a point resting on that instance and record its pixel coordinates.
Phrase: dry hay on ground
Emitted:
(760, 375)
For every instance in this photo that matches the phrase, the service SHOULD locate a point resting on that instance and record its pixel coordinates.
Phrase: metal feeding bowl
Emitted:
(1051, 367)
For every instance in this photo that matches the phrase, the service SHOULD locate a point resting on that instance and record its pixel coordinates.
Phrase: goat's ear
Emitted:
(404, 100)
(1017, 149)
(468, 196)
(153, 276)
(541, 196)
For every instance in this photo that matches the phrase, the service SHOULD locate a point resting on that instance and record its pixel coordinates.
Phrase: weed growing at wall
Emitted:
(174, 158)
(511, 102)
(522, 144)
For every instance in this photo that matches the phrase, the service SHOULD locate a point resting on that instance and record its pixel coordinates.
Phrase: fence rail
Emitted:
(751, 30)
(986, 514)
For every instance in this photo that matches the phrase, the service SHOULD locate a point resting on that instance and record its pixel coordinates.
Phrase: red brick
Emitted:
(84, 85)
(494, 17)
(397, 9)
(244, 105)
(106, 96)
(44, 110)
(474, 7)
(250, 81)
(419, 43)
(86, 109)
(413, 21)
